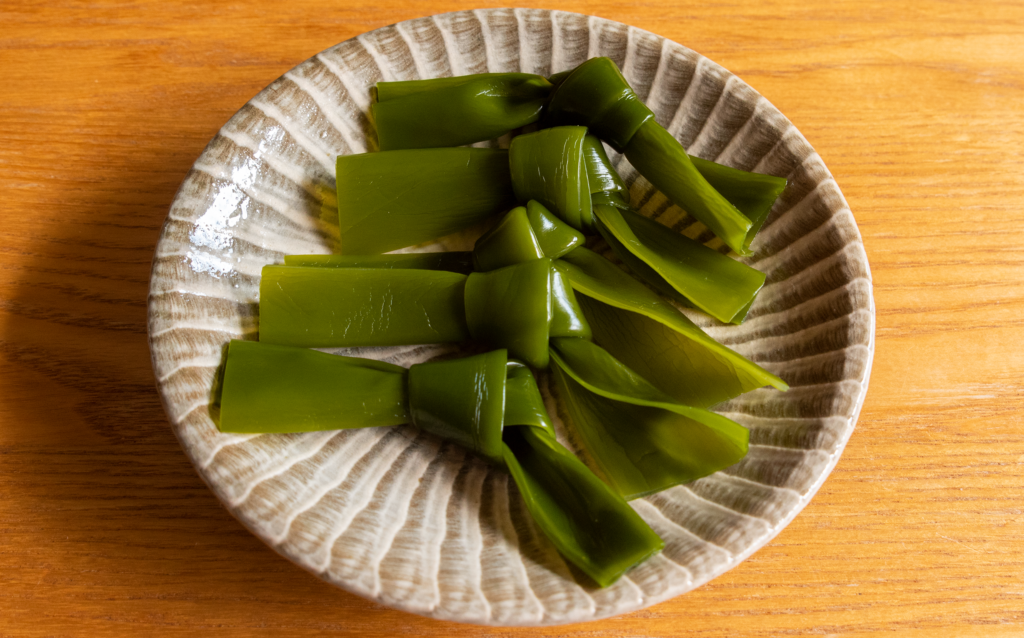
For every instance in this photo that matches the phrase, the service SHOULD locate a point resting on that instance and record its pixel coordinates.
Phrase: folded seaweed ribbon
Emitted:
(487, 403)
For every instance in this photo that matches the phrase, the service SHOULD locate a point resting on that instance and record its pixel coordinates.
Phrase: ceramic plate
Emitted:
(406, 520)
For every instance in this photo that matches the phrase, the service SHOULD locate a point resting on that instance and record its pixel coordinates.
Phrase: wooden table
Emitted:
(916, 107)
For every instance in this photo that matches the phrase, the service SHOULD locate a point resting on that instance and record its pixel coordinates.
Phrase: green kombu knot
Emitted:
(511, 306)
(549, 166)
(596, 95)
(487, 403)
(319, 307)
(462, 400)
(517, 307)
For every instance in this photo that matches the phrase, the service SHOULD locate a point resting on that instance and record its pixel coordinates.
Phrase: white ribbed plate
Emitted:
(403, 519)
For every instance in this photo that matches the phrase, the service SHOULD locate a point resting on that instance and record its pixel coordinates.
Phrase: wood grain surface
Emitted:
(106, 530)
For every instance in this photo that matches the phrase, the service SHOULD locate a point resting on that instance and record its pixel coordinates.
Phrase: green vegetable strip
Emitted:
(453, 261)
(693, 372)
(271, 388)
(652, 337)
(394, 199)
(591, 366)
(675, 265)
(605, 182)
(555, 237)
(566, 315)
(511, 241)
(387, 91)
(595, 369)
(462, 400)
(511, 306)
(279, 389)
(515, 307)
(715, 283)
(657, 449)
(661, 159)
(597, 96)
(596, 277)
(708, 442)
(752, 193)
(589, 524)
(549, 166)
(334, 307)
(524, 404)
(473, 109)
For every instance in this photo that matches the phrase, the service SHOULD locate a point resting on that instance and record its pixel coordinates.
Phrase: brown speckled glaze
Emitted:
(407, 520)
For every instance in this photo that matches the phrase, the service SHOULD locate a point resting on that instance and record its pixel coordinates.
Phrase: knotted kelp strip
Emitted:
(596, 95)
(513, 307)
(567, 171)
(486, 403)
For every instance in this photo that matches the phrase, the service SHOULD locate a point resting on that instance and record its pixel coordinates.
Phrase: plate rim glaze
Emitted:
(183, 400)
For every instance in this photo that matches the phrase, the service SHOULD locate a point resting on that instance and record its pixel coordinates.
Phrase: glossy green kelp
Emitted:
(555, 237)
(581, 515)
(462, 400)
(649, 335)
(394, 199)
(659, 157)
(753, 194)
(596, 95)
(485, 403)
(273, 388)
(318, 307)
(510, 241)
(679, 266)
(512, 307)
(549, 166)
(642, 440)
(671, 262)
(524, 404)
(456, 111)
(607, 188)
